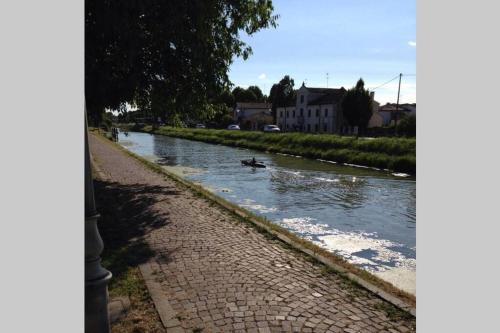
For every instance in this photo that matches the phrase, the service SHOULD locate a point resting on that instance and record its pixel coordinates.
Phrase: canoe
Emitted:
(253, 165)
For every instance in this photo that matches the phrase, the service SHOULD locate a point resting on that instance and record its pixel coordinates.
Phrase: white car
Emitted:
(200, 126)
(271, 128)
(233, 127)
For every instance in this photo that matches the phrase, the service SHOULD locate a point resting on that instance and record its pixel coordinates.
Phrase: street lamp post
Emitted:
(96, 277)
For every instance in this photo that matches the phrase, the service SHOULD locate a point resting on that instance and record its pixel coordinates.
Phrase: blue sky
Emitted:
(348, 39)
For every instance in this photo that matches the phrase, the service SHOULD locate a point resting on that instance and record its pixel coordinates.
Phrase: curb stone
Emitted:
(166, 312)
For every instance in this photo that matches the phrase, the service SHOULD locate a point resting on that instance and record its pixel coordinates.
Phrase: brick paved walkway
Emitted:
(219, 274)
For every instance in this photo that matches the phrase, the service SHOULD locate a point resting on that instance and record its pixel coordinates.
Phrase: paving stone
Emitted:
(209, 261)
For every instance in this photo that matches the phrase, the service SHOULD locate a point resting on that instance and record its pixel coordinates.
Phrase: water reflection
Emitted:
(347, 191)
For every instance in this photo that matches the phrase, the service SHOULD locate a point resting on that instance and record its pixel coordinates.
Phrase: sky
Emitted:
(348, 39)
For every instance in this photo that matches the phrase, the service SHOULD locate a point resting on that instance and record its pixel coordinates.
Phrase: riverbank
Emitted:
(278, 231)
(219, 273)
(396, 154)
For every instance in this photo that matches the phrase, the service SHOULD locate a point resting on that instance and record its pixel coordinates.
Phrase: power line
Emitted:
(394, 78)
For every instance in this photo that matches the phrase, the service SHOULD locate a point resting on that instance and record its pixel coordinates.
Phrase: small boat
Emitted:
(253, 164)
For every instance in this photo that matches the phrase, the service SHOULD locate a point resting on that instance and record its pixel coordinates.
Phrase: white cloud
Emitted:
(412, 43)
(262, 76)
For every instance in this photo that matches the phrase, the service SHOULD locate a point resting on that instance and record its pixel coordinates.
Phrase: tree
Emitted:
(226, 98)
(282, 94)
(408, 126)
(258, 93)
(179, 49)
(252, 94)
(242, 95)
(357, 105)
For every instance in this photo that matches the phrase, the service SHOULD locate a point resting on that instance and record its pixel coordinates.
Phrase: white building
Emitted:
(315, 110)
(252, 116)
(376, 120)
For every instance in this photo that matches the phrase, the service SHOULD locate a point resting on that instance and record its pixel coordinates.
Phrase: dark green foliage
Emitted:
(167, 56)
(249, 95)
(397, 154)
(408, 126)
(226, 98)
(357, 105)
(222, 118)
(104, 121)
(282, 94)
(243, 95)
(257, 92)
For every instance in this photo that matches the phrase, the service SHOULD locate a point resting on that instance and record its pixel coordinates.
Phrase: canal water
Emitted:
(364, 215)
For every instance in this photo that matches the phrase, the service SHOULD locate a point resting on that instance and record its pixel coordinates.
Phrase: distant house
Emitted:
(315, 110)
(388, 111)
(376, 119)
(252, 116)
(319, 110)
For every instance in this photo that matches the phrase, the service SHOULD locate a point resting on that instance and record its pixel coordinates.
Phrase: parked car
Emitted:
(233, 127)
(200, 126)
(271, 128)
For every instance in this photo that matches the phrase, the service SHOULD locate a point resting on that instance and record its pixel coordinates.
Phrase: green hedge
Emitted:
(396, 154)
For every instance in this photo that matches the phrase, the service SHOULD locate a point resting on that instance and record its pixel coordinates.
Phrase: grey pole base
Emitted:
(96, 305)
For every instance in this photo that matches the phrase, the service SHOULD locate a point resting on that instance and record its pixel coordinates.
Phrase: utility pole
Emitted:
(327, 80)
(397, 106)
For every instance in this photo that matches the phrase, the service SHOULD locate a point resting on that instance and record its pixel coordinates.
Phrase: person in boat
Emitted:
(253, 161)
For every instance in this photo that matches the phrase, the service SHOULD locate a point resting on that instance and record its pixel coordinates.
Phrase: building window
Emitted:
(281, 114)
(326, 112)
(316, 127)
(325, 128)
(301, 98)
(287, 114)
(293, 114)
(309, 113)
(301, 112)
(317, 112)
(309, 126)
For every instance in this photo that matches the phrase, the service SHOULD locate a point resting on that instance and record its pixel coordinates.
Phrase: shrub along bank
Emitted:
(396, 154)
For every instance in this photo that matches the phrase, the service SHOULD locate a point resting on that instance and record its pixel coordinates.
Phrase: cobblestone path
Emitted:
(219, 274)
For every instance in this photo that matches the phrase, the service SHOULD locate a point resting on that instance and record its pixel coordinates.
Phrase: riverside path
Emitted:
(209, 272)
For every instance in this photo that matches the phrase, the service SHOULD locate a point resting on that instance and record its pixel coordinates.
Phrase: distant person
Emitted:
(253, 160)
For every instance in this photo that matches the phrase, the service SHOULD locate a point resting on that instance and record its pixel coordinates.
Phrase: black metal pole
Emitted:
(96, 277)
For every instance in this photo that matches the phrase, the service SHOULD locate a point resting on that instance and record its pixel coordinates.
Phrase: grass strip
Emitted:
(122, 256)
(397, 154)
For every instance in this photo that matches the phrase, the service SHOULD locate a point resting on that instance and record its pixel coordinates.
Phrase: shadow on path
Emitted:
(127, 215)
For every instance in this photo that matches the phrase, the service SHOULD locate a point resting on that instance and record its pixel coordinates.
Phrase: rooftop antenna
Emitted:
(327, 80)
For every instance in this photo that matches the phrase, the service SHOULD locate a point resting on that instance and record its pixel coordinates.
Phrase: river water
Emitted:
(366, 216)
